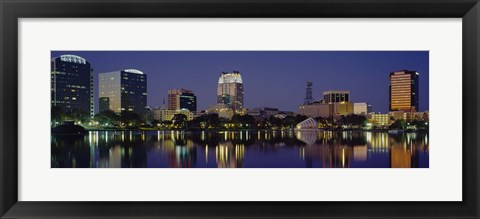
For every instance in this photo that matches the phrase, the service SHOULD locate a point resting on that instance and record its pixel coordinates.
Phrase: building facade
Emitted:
(72, 84)
(103, 104)
(319, 109)
(335, 96)
(126, 90)
(222, 110)
(314, 110)
(341, 108)
(182, 99)
(230, 90)
(262, 112)
(380, 119)
(163, 114)
(409, 116)
(361, 108)
(404, 90)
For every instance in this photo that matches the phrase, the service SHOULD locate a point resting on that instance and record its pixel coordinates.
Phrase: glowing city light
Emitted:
(73, 58)
(135, 71)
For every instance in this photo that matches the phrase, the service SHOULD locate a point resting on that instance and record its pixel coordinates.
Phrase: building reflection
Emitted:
(405, 150)
(240, 149)
(70, 152)
(229, 155)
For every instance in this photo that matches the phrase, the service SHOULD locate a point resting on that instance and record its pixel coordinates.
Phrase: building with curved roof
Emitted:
(124, 90)
(72, 84)
(230, 90)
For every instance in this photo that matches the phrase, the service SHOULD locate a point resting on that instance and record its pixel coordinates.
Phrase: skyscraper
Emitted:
(404, 91)
(72, 84)
(126, 90)
(182, 99)
(230, 90)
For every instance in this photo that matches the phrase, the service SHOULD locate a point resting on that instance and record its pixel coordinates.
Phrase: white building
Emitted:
(230, 90)
(362, 108)
(163, 114)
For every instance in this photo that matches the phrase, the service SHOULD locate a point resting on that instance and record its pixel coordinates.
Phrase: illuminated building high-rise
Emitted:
(230, 90)
(404, 91)
(182, 99)
(126, 90)
(72, 84)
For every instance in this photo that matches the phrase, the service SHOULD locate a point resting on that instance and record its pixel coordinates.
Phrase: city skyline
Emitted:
(271, 78)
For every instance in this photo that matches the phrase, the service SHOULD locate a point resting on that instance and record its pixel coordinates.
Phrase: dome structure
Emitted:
(73, 58)
(134, 71)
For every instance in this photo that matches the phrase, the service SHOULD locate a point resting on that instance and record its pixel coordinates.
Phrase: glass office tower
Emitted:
(126, 90)
(72, 84)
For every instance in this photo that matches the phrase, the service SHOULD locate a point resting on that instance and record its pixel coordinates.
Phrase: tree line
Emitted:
(110, 119)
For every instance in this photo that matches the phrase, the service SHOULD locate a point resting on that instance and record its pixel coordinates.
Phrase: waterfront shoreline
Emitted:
(254, 130)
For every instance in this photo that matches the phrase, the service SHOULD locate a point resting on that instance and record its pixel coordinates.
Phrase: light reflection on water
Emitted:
(237, 149)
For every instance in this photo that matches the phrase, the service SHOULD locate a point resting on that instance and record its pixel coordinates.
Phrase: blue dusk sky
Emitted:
(270, 78)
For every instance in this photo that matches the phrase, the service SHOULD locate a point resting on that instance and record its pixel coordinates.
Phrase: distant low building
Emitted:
(361, 108)
(319, 109)
(418, 116)
(409, 116)
(283, 114)
(163, 114)
(379, 119)
(222, 110)
(398, 115)
(315, 110)
(262, 112)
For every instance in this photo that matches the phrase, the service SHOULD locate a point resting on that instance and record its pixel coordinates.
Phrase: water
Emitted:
(237, 149)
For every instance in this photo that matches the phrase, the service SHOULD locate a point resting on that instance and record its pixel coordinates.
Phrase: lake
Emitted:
(240, 149)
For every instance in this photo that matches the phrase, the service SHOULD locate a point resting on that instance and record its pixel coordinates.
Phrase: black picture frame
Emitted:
(12, 10)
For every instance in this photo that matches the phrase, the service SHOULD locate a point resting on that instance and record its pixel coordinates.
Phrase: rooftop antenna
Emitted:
(308, 93)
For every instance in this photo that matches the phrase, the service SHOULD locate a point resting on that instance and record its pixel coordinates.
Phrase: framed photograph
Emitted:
(169, 109)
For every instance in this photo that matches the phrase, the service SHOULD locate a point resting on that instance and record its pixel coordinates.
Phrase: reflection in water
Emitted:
(237, 149)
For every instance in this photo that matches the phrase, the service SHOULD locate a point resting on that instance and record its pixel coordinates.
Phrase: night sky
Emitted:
(270, 78)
